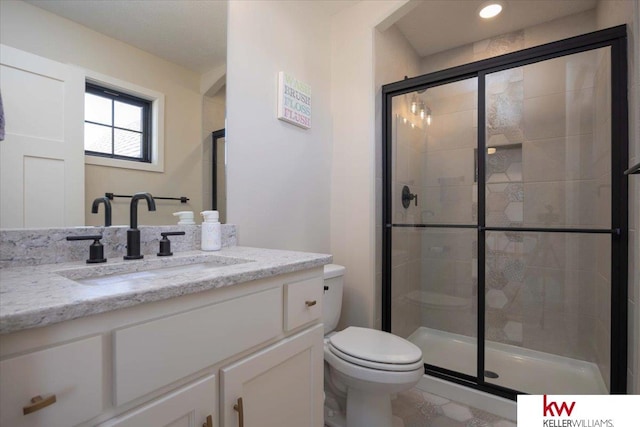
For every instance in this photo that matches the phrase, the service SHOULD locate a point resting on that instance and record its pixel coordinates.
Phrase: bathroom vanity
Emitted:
(229, 338)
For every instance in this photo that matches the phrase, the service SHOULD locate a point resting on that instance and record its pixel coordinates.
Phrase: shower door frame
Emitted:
(616, 39)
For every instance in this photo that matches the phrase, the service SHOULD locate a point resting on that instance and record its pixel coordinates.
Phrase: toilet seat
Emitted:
(373, 349)
(376, 365)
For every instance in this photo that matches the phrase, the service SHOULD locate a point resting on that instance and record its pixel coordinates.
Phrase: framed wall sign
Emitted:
(294, 101)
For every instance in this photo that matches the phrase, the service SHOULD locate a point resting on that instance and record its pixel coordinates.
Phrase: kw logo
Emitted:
(548, 408)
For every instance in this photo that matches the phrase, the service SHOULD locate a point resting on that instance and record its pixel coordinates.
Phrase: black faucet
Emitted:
(107, 209)
(133, 234)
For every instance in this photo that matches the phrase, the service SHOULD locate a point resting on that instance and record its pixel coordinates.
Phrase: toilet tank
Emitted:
(332, 303)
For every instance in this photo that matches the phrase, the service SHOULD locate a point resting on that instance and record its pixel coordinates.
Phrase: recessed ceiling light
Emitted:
(489, 10)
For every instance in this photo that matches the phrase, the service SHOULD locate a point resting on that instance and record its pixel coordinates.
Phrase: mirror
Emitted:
(179, 54)
(219, 174)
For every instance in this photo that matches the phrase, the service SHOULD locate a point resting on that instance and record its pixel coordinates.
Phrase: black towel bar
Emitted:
(182, 199)
(633, 170)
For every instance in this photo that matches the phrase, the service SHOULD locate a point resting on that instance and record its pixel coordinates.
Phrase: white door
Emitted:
(42, 155)
(280, 386)
(186, 407)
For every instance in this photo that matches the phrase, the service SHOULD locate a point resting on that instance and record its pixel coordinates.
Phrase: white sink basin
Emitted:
(151, 269)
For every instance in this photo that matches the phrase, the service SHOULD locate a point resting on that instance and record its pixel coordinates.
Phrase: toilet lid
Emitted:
(375, 346)
(393, 367)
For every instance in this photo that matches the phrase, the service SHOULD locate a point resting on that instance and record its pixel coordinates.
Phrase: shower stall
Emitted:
(505, 218)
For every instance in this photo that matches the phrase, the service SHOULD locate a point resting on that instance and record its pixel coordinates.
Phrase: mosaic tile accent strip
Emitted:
(498, 45)
(505, 207)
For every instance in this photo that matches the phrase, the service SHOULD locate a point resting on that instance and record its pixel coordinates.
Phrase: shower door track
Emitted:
(616, 39)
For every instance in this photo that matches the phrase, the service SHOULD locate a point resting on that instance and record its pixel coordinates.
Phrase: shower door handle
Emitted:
(407, 197)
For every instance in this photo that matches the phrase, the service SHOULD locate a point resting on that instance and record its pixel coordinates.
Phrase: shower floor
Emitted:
(518, 368)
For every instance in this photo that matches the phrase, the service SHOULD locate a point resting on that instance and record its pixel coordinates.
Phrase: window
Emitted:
(117, 125)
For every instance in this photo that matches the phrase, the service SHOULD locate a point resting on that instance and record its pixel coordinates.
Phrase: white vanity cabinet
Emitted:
(179, 362)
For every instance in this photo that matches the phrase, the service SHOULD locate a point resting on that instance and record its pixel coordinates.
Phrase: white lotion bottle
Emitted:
(211, 233)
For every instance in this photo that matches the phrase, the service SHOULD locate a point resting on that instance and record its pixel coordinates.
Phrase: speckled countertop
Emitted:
(42, 295)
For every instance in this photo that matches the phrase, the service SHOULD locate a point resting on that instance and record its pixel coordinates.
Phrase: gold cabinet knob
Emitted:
(310, 303)
(38, 402)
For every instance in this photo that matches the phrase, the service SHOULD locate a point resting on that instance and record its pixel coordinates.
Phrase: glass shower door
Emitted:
(548, 220)
(434, 231)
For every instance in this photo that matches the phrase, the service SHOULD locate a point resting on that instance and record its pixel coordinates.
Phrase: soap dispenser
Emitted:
(184, 217)
(211, 233)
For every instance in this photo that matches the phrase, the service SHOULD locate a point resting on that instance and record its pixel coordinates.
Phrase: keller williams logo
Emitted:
(548, 408)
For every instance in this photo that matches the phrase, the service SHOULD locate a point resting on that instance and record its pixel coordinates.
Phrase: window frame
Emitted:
(156, 99)
(115, 95)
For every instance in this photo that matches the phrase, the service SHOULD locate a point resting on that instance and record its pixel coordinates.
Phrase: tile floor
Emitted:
(416, 408)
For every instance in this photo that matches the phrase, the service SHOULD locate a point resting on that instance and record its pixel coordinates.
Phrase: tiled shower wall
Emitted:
(549, 292)
(541, 289)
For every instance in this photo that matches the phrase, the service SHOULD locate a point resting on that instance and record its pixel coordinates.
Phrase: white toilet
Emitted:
(363, 367)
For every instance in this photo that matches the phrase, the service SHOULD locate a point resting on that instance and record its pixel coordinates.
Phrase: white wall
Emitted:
(32, 29)
(286, 188)
(353, 176)
(278, 174)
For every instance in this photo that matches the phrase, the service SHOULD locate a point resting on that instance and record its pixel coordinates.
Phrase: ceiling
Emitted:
(437, 25)
(193, 33)
(189, 33)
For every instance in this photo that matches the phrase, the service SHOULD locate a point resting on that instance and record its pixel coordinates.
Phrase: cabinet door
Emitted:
(185, 407)
(280, 386)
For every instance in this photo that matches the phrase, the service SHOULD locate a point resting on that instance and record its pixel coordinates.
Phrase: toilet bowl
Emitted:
(363, 367)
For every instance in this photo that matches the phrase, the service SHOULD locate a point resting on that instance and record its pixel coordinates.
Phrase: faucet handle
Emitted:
(165, 244)
(96, 249)
(172, 233)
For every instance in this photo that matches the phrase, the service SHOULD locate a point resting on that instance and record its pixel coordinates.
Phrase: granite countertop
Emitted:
(37, 296)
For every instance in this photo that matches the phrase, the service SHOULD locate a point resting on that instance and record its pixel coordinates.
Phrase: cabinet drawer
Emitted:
(303, 302)
(72, 372)
(154, 354)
